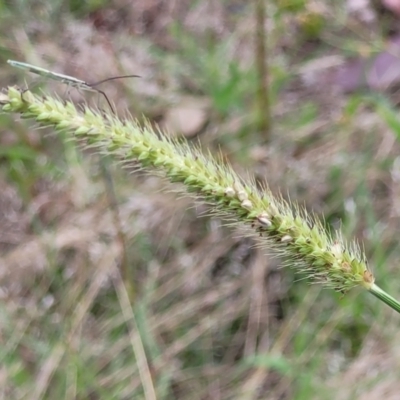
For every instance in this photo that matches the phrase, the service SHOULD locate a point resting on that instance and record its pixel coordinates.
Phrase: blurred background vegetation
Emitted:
(112, 287)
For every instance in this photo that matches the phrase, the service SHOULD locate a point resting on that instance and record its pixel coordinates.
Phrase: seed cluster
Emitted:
(299, 237)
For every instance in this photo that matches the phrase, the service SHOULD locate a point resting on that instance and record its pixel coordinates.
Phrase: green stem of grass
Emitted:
(385, 297)
(263, 109)
(298, 236)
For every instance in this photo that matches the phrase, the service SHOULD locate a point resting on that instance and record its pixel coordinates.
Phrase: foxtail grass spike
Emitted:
(295, 234)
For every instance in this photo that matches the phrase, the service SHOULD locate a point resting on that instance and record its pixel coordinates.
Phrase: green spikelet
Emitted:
(299, 237)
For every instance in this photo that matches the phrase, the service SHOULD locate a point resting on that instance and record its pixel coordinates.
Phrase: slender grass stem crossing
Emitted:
(67, 79)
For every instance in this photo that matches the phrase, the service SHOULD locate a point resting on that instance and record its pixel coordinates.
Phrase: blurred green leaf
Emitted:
(274, 362)
(389, 114)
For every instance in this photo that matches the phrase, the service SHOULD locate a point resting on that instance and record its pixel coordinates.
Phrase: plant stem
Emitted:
(385, 297)
(262, 98)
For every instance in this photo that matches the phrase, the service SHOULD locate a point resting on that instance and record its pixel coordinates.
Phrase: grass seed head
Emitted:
(299, 237)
